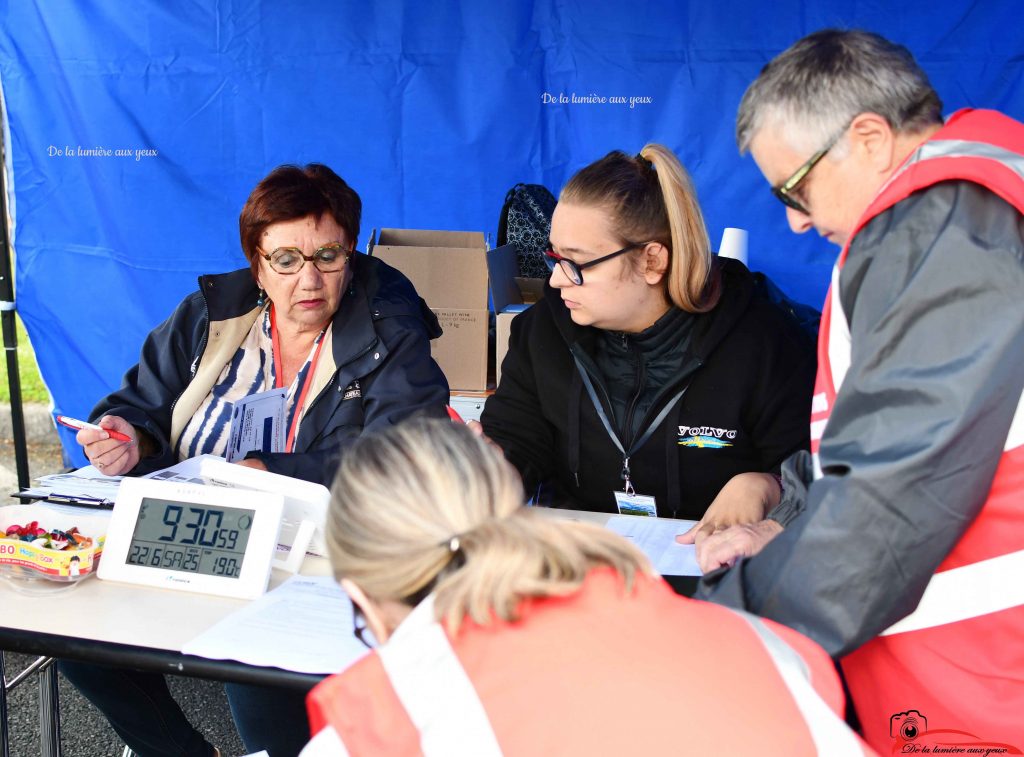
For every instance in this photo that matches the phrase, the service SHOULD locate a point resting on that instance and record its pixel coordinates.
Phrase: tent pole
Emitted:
(7, 323)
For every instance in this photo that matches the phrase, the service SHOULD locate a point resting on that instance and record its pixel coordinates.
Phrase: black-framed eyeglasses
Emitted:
(785, 191)
(359, 629)
(328, 259)
(574, 270)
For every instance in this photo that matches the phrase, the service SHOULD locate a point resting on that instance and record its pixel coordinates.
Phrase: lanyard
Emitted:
(626, 454)
(278, 375)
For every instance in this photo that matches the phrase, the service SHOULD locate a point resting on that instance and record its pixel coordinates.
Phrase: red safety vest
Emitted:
(600, 672)
(958, 659)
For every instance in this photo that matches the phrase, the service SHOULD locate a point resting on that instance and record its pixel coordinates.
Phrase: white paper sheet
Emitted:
(656, 538)
(89, 484)
(304, 625)
(188, 471)
(85, 482)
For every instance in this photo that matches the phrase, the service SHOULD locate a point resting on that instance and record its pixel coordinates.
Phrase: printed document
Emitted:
(257, 423)
(656, 538)
(304, 625)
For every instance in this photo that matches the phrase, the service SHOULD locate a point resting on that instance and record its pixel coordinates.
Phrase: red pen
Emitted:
(454, 414)
(79, 425)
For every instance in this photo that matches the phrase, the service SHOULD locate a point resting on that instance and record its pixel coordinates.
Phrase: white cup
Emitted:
(734, 245)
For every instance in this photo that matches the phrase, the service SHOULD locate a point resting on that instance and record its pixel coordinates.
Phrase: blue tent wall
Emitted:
(430, 110)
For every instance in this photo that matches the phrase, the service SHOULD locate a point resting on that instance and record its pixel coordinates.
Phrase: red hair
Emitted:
(291, 192)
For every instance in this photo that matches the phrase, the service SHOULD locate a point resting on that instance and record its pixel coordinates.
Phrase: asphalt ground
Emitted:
(84, 731)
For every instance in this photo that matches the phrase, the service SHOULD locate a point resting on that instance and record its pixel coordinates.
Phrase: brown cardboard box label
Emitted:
(462, 350)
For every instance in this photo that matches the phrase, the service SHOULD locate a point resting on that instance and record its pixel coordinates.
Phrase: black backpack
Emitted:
(525, 221)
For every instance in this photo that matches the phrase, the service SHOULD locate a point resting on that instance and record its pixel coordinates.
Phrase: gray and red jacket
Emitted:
(916, 485)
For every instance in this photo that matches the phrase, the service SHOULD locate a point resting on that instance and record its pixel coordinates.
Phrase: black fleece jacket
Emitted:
(746, 371)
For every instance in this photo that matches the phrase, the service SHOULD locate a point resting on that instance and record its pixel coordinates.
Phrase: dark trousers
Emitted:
(141, 710)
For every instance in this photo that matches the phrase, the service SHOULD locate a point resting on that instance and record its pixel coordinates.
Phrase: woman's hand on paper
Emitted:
(110, 456)
(746, 498)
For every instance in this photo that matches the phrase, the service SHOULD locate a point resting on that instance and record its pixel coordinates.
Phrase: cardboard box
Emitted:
(511, 295)
(449, 270)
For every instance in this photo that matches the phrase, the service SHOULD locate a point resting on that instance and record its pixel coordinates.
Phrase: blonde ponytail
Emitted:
(428, 506)
(690, 267)
(651, 198)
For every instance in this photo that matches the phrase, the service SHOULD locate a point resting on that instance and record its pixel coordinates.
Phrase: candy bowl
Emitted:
(44, 550)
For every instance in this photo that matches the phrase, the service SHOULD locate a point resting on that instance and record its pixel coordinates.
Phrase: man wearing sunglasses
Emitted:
(899, 541)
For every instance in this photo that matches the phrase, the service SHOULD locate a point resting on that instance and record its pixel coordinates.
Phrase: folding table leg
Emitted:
(49, 712)
(4, 746)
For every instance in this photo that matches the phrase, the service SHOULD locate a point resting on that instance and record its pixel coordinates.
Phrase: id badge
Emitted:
(257, 423)
(636, 504)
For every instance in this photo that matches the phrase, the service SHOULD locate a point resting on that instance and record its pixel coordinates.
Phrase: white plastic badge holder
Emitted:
(305, 507)
(191, 537)
(636, 504)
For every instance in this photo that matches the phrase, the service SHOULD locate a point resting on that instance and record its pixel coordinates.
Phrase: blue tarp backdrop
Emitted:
(137, 130)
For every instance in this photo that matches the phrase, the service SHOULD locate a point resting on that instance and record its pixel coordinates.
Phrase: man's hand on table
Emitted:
(724, 548)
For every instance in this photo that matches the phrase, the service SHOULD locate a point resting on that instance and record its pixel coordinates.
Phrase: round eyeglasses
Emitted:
(328, 259)
(573, 270)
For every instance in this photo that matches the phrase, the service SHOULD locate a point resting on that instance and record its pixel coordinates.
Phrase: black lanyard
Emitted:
(626, 455)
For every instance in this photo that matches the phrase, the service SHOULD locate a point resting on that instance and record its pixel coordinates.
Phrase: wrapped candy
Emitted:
(55, 539)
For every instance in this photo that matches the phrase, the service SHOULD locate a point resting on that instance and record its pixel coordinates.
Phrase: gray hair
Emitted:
(826, 79)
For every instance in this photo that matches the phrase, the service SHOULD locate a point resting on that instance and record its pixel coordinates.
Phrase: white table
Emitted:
(131, 626)
(138, 626)
(146, 628)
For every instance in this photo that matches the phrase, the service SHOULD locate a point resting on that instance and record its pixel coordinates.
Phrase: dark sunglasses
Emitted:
(574, 270)
(784, 191)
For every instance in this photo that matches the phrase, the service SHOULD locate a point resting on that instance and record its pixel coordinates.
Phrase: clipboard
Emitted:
(93, 503)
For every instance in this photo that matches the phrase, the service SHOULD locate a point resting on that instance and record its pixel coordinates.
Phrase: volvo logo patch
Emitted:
(709, 437)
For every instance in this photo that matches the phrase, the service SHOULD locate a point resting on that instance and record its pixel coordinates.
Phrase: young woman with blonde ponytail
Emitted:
(652, 377)
(503, 631)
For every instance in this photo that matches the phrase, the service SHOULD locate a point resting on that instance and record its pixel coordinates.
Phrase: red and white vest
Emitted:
(599, 672)
(958, 659)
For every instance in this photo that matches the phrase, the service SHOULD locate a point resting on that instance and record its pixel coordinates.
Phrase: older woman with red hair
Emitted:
(347, 340)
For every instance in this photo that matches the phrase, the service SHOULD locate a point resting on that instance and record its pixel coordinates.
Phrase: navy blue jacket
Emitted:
(382, 374)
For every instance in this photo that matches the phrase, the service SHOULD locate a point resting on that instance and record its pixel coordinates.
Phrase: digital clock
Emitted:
(191, 537)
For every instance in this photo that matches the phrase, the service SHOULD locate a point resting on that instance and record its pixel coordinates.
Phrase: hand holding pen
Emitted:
(111, 445)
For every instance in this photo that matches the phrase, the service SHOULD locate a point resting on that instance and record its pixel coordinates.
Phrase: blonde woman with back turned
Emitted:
(503, 631)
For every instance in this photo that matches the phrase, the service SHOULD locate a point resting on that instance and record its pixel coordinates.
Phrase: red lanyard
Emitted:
(279, 374)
